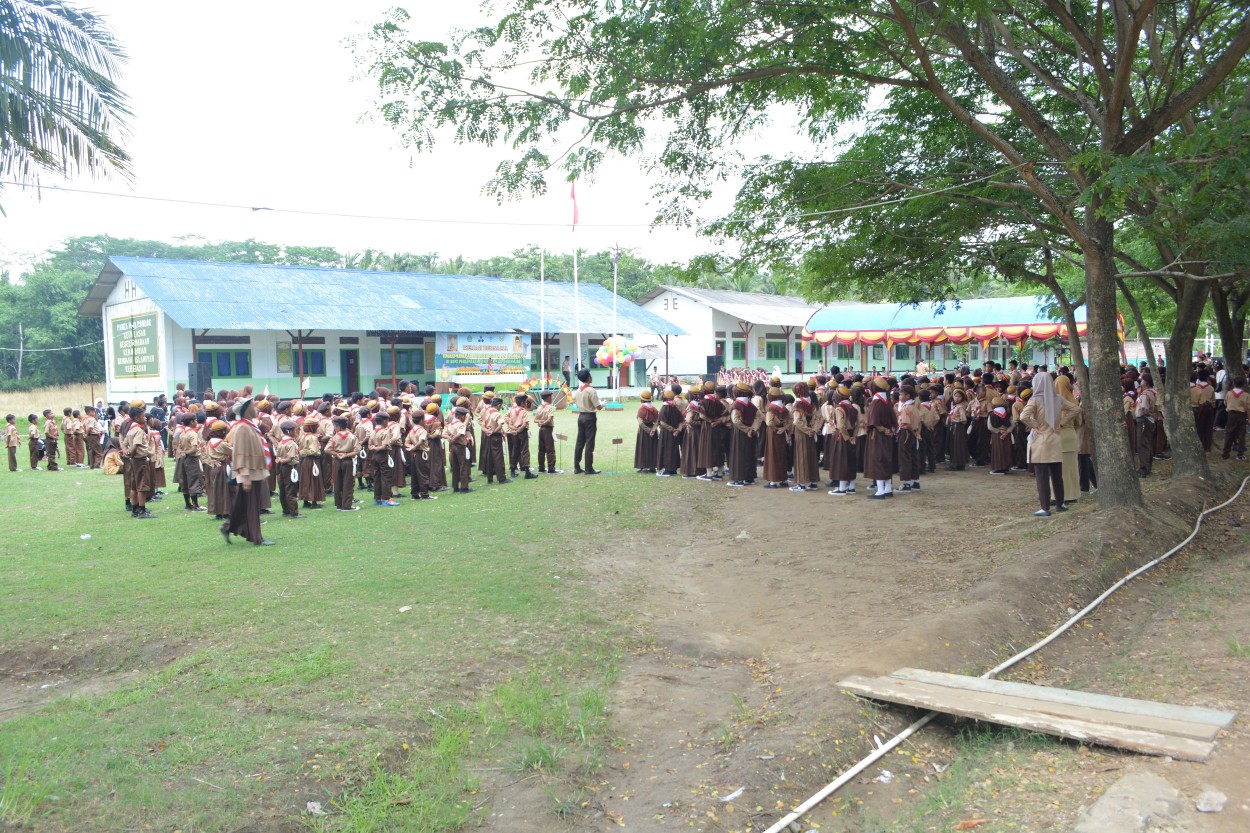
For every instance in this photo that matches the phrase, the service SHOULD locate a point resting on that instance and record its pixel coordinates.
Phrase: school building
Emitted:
(293, 328)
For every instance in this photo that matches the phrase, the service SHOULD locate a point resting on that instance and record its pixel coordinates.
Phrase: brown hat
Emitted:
(709, 387)
(645, 396)
(137, 404)
(1026, 393)
(432, 408)
(298, 409)
(997, 401)
(464, 402)
(264, 406)
(217, 425)
(742, 387)
(959, 386)
(669, 396)
(211, 406)
(1011, 390)
(465, 393)
(880, 383)
(775, 393)
(392, 411)
(844, 390)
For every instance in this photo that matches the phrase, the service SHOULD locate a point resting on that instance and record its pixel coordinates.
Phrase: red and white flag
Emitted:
(573, 196)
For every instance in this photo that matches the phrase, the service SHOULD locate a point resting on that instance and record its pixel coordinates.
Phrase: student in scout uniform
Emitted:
(1001, 436)
(910, 460)
(32, 434)
(456, 432)
(91, 433)
(957, 430)
(67, 436)
(217, 458)
(189, 448)
(1146, 414)
(806, 422)
(882, 425)
(711, 448)
(1202, 402)
(344, 455)
(1071, 441)
(744, 420)
(438, 451)
(843, 455)
(380, 454)
(249, 463)
(157, 461)
(588, 407)
(137, 451)
(692, 425)
(646, 445)
(668, 452)
(519, 437)
(51, 433)
(776, 440)
(286, 457)
(545, 419)
(930, 420)
(1236, 404)
(311, 487)
(11, 440)
(492, 461)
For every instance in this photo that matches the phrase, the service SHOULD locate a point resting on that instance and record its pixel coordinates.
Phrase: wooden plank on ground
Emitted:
(1126, 705)
(989, 702)
(1002, 710)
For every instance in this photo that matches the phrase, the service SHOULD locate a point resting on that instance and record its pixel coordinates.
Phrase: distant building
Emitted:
(740, 329)
(336, 330)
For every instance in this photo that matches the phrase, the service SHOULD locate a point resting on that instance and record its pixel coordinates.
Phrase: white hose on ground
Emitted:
(885, 749)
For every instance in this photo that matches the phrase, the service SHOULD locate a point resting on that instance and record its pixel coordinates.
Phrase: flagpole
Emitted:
(616, 338)
(577, 316)
(542, 318)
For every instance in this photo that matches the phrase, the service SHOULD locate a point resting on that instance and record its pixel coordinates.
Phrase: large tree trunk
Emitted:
(1230, 320)
(1187, 453)
(1117, 479)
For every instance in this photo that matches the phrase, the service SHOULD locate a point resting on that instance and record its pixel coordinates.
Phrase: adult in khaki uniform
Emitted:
(137, 451)
(11, 440)
(1046, 414)
(588, 407)
(249, 464)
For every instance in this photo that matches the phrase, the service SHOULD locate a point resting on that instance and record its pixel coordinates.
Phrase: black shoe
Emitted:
(592, 471)
(225, 533)
(503, 480)
(270, 511)
(529, 475)
(144, 514)
(579, 471)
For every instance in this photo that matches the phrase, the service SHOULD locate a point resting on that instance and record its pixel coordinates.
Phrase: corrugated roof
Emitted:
(975, 312)
(752, 307)
(247, 296)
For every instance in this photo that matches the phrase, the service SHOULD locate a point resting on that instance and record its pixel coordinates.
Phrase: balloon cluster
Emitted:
(623, 351)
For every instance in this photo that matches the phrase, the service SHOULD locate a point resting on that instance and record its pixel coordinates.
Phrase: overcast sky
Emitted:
(254, 103)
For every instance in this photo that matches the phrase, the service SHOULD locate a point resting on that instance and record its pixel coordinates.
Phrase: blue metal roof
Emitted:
(247, 296)
(975, 312)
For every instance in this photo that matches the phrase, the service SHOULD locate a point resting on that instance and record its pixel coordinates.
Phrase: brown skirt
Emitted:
(311, 487)
(218, 491)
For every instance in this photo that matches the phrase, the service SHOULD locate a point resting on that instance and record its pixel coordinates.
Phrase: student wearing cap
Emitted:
(249, 464)
(518, 424)
(692, 426)
(806, 422)
(383, 459)
(646, 444)
(711, 446)
(910, 459)
(311, 486)
(668, 452)
(137, 451)
(91, 433)
(492, 462)
(344, 456)
(286, 457)
(882, 426)
(588, 407)
(456, 432)
(216, 459)
(417, 449)
(438, 452)
(1001, 437)
(32, 435)
(545, 419)
(776, 440)
(51, 435)
(11, 440)
(1202, 402)
(189, 449)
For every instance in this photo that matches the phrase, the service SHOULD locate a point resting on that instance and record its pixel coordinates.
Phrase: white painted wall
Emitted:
(687, 355)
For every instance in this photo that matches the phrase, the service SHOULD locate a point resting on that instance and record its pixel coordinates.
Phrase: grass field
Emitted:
(22, 403)
(374, 661)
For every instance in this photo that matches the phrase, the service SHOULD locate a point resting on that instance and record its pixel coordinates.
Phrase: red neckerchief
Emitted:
(1001, 411)
(1199, 384)
(583, 386)
(882, 395)
(648, 406)
(1237, 392)
(711, 396)
(344, 434)
(928, 406)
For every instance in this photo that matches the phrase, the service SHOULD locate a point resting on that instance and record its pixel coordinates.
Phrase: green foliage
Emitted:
(60, 110)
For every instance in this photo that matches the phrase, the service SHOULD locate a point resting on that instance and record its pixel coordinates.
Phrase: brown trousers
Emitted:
(519, 451)
(461, 466)
(49, 454)
(546, 448)
(193, 476)
(34, 455)
(1145, 443)
(383, 474)
(492, 457)
(140, 480)
(12, 458)
(1049, 476)
(344, 483)
(288, 492)
(1204, 423)
(95, 453)
(1235, 434)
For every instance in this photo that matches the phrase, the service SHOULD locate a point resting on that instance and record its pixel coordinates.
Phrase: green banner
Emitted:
(136, 348)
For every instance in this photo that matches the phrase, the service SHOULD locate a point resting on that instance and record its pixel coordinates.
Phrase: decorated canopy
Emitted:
(981, 320)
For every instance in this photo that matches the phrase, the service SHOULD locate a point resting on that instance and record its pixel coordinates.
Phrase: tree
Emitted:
(60, 110)
(707, 71)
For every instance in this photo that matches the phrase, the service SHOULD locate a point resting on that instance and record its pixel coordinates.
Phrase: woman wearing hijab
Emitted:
(1046, 415)
(1071, 442)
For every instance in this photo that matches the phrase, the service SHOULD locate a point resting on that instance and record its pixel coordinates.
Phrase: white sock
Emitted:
(889, 486)
(881, 490)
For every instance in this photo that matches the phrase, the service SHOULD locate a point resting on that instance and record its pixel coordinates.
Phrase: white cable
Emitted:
(886, 748)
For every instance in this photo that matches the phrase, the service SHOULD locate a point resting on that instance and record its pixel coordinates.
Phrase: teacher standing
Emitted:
(588, 407)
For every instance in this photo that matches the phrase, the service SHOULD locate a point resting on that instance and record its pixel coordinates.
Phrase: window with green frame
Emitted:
(846, 352)
(878, 352)
(314, 363)
(407, 360)
(775, 351)
(902, 352)
(815, 352)
(227, 364)
(739, 350)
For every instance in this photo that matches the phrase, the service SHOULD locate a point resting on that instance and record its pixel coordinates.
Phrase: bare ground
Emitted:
(760, 603)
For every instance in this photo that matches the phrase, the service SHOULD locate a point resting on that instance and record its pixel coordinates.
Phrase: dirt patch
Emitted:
(31, 676)
(772, 597)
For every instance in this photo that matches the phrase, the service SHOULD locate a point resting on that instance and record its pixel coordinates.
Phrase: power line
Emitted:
(48, 349)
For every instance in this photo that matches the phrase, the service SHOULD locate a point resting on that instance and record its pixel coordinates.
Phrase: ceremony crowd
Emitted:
(239, 454)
